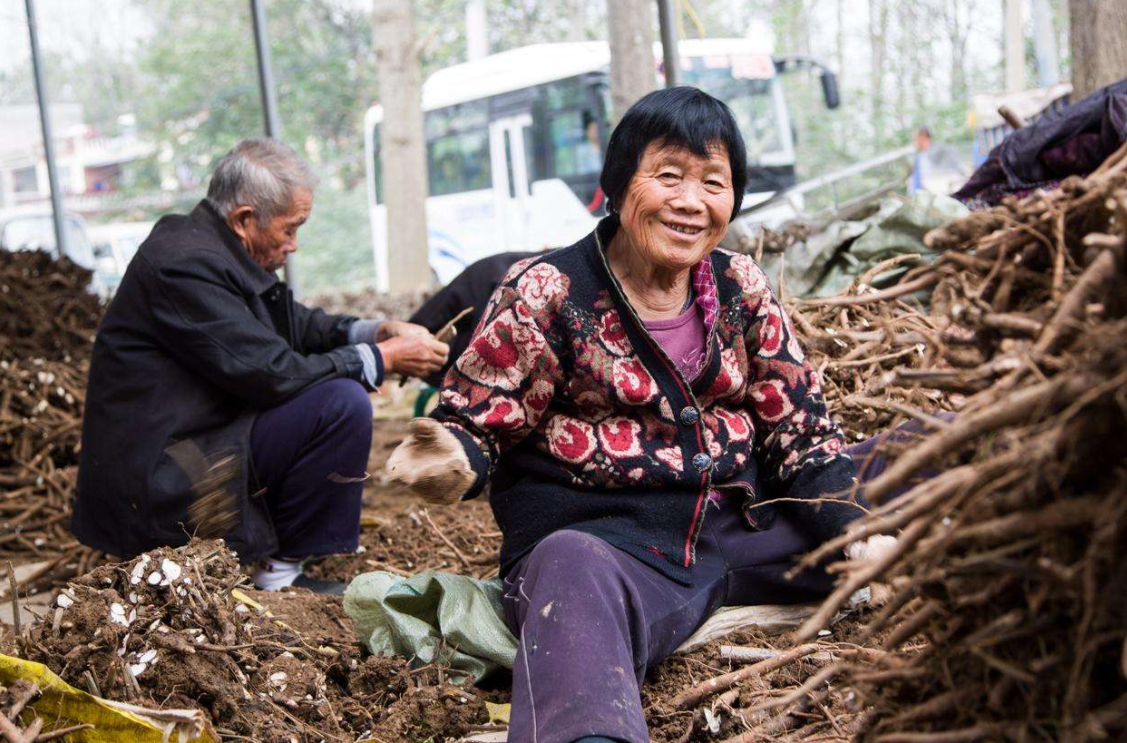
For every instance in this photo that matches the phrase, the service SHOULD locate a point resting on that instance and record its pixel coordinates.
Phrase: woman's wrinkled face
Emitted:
(677, 206)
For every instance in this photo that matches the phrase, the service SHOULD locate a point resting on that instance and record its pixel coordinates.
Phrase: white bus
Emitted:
(515, 143)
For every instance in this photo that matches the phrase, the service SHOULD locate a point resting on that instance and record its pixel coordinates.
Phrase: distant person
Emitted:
(935, 167)
(472, 288)
(204, 356)
(589, 155)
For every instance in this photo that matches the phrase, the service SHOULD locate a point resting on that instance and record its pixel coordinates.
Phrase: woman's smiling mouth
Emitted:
(683, 229)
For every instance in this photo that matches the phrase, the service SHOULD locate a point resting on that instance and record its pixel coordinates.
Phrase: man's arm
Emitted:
(204, 322)
(319, 331)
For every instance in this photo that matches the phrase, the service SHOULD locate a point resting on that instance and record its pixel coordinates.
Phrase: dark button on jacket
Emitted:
(702, 461)
(197, 340)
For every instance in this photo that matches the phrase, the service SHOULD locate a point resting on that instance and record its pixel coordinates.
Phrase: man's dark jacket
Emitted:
(197, 340)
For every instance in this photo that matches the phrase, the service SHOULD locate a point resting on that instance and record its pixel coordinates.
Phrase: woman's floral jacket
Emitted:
(578, 420)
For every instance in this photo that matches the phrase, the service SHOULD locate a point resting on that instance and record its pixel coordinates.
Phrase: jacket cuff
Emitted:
(341, 331)
(829, 480)
(479, 463)
(363, 331)
(372, 371)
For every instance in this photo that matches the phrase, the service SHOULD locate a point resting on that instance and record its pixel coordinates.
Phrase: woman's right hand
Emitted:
(431, 463)
(413, 355)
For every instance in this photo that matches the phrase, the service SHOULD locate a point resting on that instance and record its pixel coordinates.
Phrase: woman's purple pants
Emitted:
(591, 620)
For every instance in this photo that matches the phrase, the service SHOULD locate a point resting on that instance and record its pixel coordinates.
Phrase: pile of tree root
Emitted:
(47, 325)
(1008, 611)
(179, 628)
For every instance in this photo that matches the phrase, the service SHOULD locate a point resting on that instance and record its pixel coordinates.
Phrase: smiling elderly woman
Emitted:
(633, 400)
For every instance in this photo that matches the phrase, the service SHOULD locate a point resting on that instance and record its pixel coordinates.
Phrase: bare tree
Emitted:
(878, 44)
(577, 20)
(1097, 40)
(957, 17)
(631, 33)
(403, 164)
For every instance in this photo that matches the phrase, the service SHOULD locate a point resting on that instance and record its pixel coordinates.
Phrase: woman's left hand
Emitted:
(876, 547)
(873, 548)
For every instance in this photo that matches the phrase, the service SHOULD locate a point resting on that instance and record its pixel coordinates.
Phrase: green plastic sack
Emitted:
(432, 617)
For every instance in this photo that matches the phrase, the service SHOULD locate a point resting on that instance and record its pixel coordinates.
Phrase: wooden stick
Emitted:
(863, 576)
(883, 295)
(694, 695)
(963, 735)
(1017, 407)
(1071, 309)
(444, 538)
(13, 586)
(56, 734)
(736, 654)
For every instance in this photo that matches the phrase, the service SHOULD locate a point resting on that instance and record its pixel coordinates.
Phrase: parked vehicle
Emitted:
(33, 228)
(515, 143)
(114, 247)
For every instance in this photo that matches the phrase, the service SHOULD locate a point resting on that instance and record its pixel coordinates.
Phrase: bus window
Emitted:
(575, 144)
(752, 104)
(377, 174)
(573, 129)
(459, 162)
(458, 148)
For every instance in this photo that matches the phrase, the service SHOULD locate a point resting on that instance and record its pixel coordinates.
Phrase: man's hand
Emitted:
(431, 463)
(413, 355)
(396, 328)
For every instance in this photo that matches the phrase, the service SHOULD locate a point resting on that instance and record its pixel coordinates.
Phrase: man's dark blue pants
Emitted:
(310, 455)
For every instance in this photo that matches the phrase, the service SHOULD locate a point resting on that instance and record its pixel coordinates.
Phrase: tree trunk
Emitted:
(1014, 34)
(878, 41)
(631, 34)
(577, 20)
(1099, 52)
(403, 162)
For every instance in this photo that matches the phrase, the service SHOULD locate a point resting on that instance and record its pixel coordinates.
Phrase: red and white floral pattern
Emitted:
(748, 273)
(632, 382)
(671, 456)
(612, 335)
(502, 354)
(541, 285)
(620, 437)
(737, 423)
(570, 439)
(771, 401)
(503, 414)
(600, 414)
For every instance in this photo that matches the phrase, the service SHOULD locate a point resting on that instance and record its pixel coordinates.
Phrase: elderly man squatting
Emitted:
(203, 352)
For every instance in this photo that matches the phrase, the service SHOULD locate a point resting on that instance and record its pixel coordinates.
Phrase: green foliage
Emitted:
(201, 94)
(335, 245)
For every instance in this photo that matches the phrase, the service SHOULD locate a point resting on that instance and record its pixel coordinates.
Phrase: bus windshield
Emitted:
(751, 98)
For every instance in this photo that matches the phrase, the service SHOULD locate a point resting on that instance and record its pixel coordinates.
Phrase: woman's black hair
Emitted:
(675, 117)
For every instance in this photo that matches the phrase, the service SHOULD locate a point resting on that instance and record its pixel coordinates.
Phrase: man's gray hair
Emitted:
(260, 173)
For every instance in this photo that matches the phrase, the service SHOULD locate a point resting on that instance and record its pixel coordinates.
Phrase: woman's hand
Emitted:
(413, 355)
(431, 463)
(876, 547)
(873, 548)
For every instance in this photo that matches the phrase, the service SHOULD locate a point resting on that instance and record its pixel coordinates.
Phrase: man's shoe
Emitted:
(316, 585)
